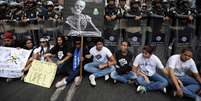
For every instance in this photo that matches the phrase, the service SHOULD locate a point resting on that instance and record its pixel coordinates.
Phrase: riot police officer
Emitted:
(16, 12)
(134, 11)
(3, 10)
(30, 12)
(183, 9)
(52, 16)
(157, 8)
(110, 16)
(122, 9)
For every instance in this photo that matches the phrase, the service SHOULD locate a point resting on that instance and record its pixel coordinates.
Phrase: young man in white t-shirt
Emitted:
(145, 65)
(102, 64)
(177, 66)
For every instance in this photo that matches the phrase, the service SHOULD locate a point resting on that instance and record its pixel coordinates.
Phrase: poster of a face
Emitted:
(83, 17)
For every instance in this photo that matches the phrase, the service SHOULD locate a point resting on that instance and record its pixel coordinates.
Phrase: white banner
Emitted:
(12, 61)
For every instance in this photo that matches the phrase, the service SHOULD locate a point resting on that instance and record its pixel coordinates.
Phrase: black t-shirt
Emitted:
(60, 51)
(124, 63)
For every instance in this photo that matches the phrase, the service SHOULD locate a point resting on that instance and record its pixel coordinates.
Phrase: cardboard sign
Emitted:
(41, 73)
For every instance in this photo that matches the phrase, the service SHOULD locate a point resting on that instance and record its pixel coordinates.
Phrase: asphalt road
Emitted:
(17, 90)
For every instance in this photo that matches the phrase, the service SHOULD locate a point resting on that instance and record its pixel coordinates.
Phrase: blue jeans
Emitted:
(157, 82)
(191, 86)
(72, 75)
(124, 77)
(93, 68)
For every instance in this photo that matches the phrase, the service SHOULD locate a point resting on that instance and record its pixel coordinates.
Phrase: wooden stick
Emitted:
(81, 54)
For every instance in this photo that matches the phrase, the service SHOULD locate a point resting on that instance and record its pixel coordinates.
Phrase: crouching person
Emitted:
(145, 65)
(102, 64)
(123, 72)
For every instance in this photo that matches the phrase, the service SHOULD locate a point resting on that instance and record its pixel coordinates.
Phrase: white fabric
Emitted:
(37, 50)
(181, 67)
(100, 56)
(148, 65)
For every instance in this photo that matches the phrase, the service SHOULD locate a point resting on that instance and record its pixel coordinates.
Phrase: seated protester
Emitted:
(102, 64)
(145, 67)
(29, 46)
(177, 66)
(42, 49)
(39, 53)
(123, 70)
(75, 68)
(60, 54)
(9, 41)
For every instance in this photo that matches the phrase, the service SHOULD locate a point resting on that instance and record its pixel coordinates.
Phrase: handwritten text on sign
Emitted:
(12, 61)
(41, 73)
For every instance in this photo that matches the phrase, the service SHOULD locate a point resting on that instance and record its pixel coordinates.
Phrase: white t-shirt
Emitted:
(38, 50)
(148, 65)
(181, 67)
(100, 56)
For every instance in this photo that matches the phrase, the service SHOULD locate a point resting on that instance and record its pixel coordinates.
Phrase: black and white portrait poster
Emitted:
(83, 17)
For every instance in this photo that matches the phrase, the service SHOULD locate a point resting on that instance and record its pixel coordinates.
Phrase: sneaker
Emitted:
(198, 98)
(107, 77)
(9, 80)
(61, 83)
(77, 80)
(115, 81)
(130, 81)
(164, 90)
(141, 89)
(22, 77)
(92, 80)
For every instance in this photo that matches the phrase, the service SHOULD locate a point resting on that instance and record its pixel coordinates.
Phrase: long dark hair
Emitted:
(62, 38)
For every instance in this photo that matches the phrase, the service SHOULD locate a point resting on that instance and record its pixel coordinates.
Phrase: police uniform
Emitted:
(110, 10)
(31, 12)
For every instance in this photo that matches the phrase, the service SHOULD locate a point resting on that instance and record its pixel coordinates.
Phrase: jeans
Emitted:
(72, 75)
(124, 77)
(157, 82)
(190, 86)
(62, 69)
(93, 68)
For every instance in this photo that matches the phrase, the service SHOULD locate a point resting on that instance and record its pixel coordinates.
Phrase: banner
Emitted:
(41, 73)
(12, 61)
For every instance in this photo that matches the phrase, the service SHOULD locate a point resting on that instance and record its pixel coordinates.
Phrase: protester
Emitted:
(103, 62)
(145, 65)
